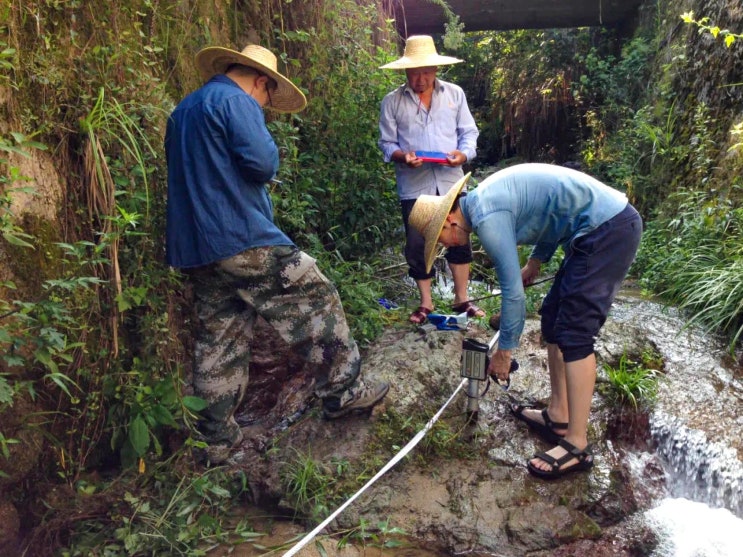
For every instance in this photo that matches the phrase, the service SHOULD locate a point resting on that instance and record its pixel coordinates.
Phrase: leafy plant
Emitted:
(382, 535)
(710, 286)
(335, 185)
(632, 384)
(17, 144)
(693, 258)
(4, 450)
(728, 38)
(704, 26)
(162, 515)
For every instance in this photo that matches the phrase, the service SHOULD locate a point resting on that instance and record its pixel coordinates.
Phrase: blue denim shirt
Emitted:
(406, 125)
(220, 156)
(542, 205)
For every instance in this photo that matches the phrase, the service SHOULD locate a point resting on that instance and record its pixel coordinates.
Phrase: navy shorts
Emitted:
(575, 308)
(415, 246)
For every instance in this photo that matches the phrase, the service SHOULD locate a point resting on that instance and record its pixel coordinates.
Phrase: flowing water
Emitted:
(696, 428)
(692, 529)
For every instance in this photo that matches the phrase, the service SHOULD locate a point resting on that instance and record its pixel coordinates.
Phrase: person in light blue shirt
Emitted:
(428, 114)
(220, 231)
(545, 206)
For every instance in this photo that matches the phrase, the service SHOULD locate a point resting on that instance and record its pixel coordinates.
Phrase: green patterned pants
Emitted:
(284, 286)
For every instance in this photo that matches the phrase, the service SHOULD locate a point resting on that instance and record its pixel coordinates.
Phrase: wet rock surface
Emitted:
(464, 489)
(473, 493)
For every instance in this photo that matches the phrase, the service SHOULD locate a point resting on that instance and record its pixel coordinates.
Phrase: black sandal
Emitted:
(584, 461)
(546, 430)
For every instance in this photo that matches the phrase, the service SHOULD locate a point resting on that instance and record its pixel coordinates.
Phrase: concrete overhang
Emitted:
(423, 17)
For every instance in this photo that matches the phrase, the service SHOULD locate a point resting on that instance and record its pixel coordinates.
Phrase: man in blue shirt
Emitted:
(545, 206)
(428, 114)
(221, 233)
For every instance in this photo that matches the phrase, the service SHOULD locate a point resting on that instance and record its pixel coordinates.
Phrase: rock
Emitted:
(539, 525)
(461, 488)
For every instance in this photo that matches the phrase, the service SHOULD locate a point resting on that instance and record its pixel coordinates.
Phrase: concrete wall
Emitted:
(423, 17)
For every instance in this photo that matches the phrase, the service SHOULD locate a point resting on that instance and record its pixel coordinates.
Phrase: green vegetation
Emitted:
(381, 534)
(727, 36)
(445, 439)
(632, 384)
(702, 262)
(691, 252)
(314, 487)
(158, 514)
(94, 329)
(97, 336)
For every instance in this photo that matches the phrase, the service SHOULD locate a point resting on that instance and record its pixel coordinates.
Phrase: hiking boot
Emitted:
(216, 454)
(360, 396)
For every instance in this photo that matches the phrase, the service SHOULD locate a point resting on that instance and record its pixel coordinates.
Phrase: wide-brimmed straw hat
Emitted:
(216, 59)
(420, 52)
(429, 214)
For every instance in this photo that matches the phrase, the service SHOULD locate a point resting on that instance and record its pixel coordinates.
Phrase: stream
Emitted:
(695, 429)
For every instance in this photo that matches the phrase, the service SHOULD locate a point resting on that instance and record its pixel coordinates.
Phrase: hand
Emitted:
(456, 158)
(500, 364)
(412, 160)
(530, 271)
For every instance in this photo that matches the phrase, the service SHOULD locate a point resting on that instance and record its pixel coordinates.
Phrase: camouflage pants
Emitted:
(285, 287)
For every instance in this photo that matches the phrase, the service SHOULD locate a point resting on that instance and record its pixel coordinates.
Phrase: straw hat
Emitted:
(215, 60)
(429, 214)
(420, 52)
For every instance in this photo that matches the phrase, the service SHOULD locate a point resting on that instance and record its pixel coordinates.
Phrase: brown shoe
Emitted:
(362, 397)
(215, 454)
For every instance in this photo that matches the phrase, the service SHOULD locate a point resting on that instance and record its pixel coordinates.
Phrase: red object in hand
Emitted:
(433, 156)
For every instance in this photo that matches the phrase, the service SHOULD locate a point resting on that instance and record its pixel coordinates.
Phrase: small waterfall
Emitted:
(690, 529)
(696, 429)
(698, 469)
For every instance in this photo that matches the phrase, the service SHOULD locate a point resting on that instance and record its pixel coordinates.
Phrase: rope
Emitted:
(498, 293)
(405, 450)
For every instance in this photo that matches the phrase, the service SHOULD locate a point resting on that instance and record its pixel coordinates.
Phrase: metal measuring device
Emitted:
(475, 363)
(476, 360)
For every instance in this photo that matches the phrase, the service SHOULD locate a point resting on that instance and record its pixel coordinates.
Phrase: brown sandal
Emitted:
(471, 309)
(420, 315)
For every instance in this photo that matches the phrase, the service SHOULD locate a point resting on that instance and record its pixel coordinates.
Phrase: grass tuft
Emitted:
(632, 384)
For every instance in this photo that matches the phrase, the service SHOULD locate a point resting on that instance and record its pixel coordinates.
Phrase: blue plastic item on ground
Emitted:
(448, 322)
(387, 304)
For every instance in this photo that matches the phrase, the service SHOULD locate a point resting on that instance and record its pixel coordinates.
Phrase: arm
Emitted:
(388, 135)
(543, 252)
(249, 140)
(497, 236)
(467, 134)
(530, 271)
(388, 139)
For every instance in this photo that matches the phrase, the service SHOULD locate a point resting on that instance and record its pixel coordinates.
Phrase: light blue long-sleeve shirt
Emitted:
(542, 205)
(406, 125)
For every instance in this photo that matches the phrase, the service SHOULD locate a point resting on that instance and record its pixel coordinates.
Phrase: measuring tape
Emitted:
(405, 450)
(415, 440)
